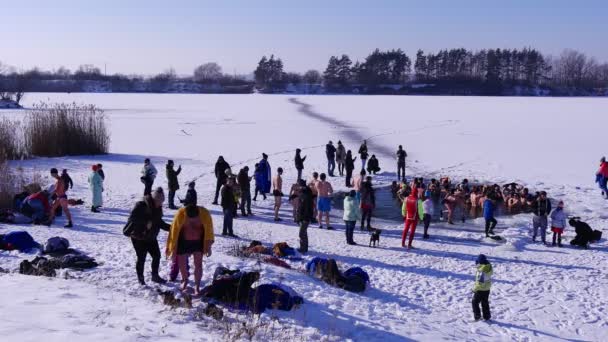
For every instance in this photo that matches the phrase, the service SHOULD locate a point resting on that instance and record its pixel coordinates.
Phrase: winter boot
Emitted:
(140, 279)
(69, 225)
(157, 279)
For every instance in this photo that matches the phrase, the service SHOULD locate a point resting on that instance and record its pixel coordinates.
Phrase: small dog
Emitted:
(375, 237)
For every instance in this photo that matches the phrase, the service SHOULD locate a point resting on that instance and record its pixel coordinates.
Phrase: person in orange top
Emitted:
(191, 233)
(62, 199)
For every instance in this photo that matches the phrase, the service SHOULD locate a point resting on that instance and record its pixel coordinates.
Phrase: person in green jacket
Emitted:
(352, 214)
(481, 290)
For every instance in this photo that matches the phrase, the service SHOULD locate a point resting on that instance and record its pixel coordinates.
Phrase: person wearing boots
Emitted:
(147, 220)
(173, 184)
(220, 174)
(481, 289)
(541, 209)
(96, 185)
(558, 223)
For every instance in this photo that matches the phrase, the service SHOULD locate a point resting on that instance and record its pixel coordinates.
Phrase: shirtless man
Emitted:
(277, 192)
(62, 199)
(313, 186)
(294, 193)
(324, 191)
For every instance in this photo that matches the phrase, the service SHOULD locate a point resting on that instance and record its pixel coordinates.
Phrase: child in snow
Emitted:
(481, 290)
(558, 223)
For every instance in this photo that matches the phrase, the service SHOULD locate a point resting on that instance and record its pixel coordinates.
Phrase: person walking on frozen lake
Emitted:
(330, 152)
(363, 154)
(145, 222)
(263, 177)
(349, 165)
(324, 192)
(228, 206)
(541, 209)
(401, 155)
(601, 177)
(173, 184)
(277, 192)
(411, 215)
(244, 181)
(481, 289)
(340, 157)
(299, 163)
(305, 214)
(60, 191)
(558, 223)
(488, 214)
(148, 174)
(352, 214)
(96, 185)
(367, 199)
(220, 174)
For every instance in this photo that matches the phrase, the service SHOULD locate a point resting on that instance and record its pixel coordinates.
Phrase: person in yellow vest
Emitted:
(191, 234)
(481, 290)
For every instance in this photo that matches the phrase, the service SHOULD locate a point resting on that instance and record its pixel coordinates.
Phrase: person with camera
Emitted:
(148, 174)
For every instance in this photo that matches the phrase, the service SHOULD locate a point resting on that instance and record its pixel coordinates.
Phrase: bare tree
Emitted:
(312, 77)
(208, 72)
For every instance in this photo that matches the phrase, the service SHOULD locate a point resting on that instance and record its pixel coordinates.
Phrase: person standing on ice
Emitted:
(148, 174)
(263, 178)
(349, 165)
(220, 174)
(146, 219)
(228, 206)
(244, 181)
(312, 184)
(401, 155)
(541, 209)
(367, 196)
(96, 185)
(324, 191)
(411, 215)
(363, 154)
(305, 215)
(173, 184)
(488, 214)
(256, 176)
(481, 289)
(62, 199)
(191, 195)
(277, 192)
(340, 157)
(358, 182)
(427, 209)
(601, 177)
(191, 234)
(351, 215)
(558, 223)
(299, 163)
(330, 152)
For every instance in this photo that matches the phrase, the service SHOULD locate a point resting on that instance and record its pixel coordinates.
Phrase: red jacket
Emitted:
(603, 170)
(42, 198)
(411, 204)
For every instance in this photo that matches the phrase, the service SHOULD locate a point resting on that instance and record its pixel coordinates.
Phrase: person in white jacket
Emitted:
(558, 223)
(427, 209)
(148, 174)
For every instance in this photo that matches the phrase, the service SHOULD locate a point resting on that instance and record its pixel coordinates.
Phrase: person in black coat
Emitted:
(191, 195)
(147, 221)
(363, 154)
(584, 233)
(244, 181)
(349, 165)
(228, 206)
(220, 173)
(173, 185)
(305, 214)
(373, 166)
(299, 161)
(330, 152)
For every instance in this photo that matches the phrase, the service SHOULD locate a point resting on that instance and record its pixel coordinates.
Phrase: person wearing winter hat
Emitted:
(96, 185)
(61, 201)
(352, 214)
(427, 210)
(148, 174)
(481, 289)
(146, 219)
(558, 223)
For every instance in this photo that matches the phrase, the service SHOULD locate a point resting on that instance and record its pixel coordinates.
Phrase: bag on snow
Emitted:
(358, 271)
(56, 244)
(20, 240)
(77, 261)
(271, 296)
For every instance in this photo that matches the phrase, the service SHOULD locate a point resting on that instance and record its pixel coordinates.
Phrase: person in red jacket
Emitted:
(410, 214)
(601, 177)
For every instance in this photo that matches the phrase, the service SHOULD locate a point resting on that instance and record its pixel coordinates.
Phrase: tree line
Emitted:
(453, 71)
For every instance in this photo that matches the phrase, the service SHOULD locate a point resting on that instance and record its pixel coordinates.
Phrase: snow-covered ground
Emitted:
(539, 293)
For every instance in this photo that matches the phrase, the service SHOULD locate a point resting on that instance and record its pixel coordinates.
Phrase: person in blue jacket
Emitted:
(488, 215)
(263, 177)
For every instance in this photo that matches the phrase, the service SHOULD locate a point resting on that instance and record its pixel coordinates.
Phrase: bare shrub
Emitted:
(11, 140)
(53, 130)
(14, 181)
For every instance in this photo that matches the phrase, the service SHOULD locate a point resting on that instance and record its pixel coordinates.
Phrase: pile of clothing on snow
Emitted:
(57, 254)
(353, 279)
(276, 255)
(234, 288)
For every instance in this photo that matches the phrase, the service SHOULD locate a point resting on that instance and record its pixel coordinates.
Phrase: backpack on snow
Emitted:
(56, 244)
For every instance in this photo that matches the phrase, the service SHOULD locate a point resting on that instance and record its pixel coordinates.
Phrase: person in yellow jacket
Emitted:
(191, 234)
(481, 290)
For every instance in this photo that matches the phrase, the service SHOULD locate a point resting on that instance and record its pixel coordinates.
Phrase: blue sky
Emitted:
(149, 36)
